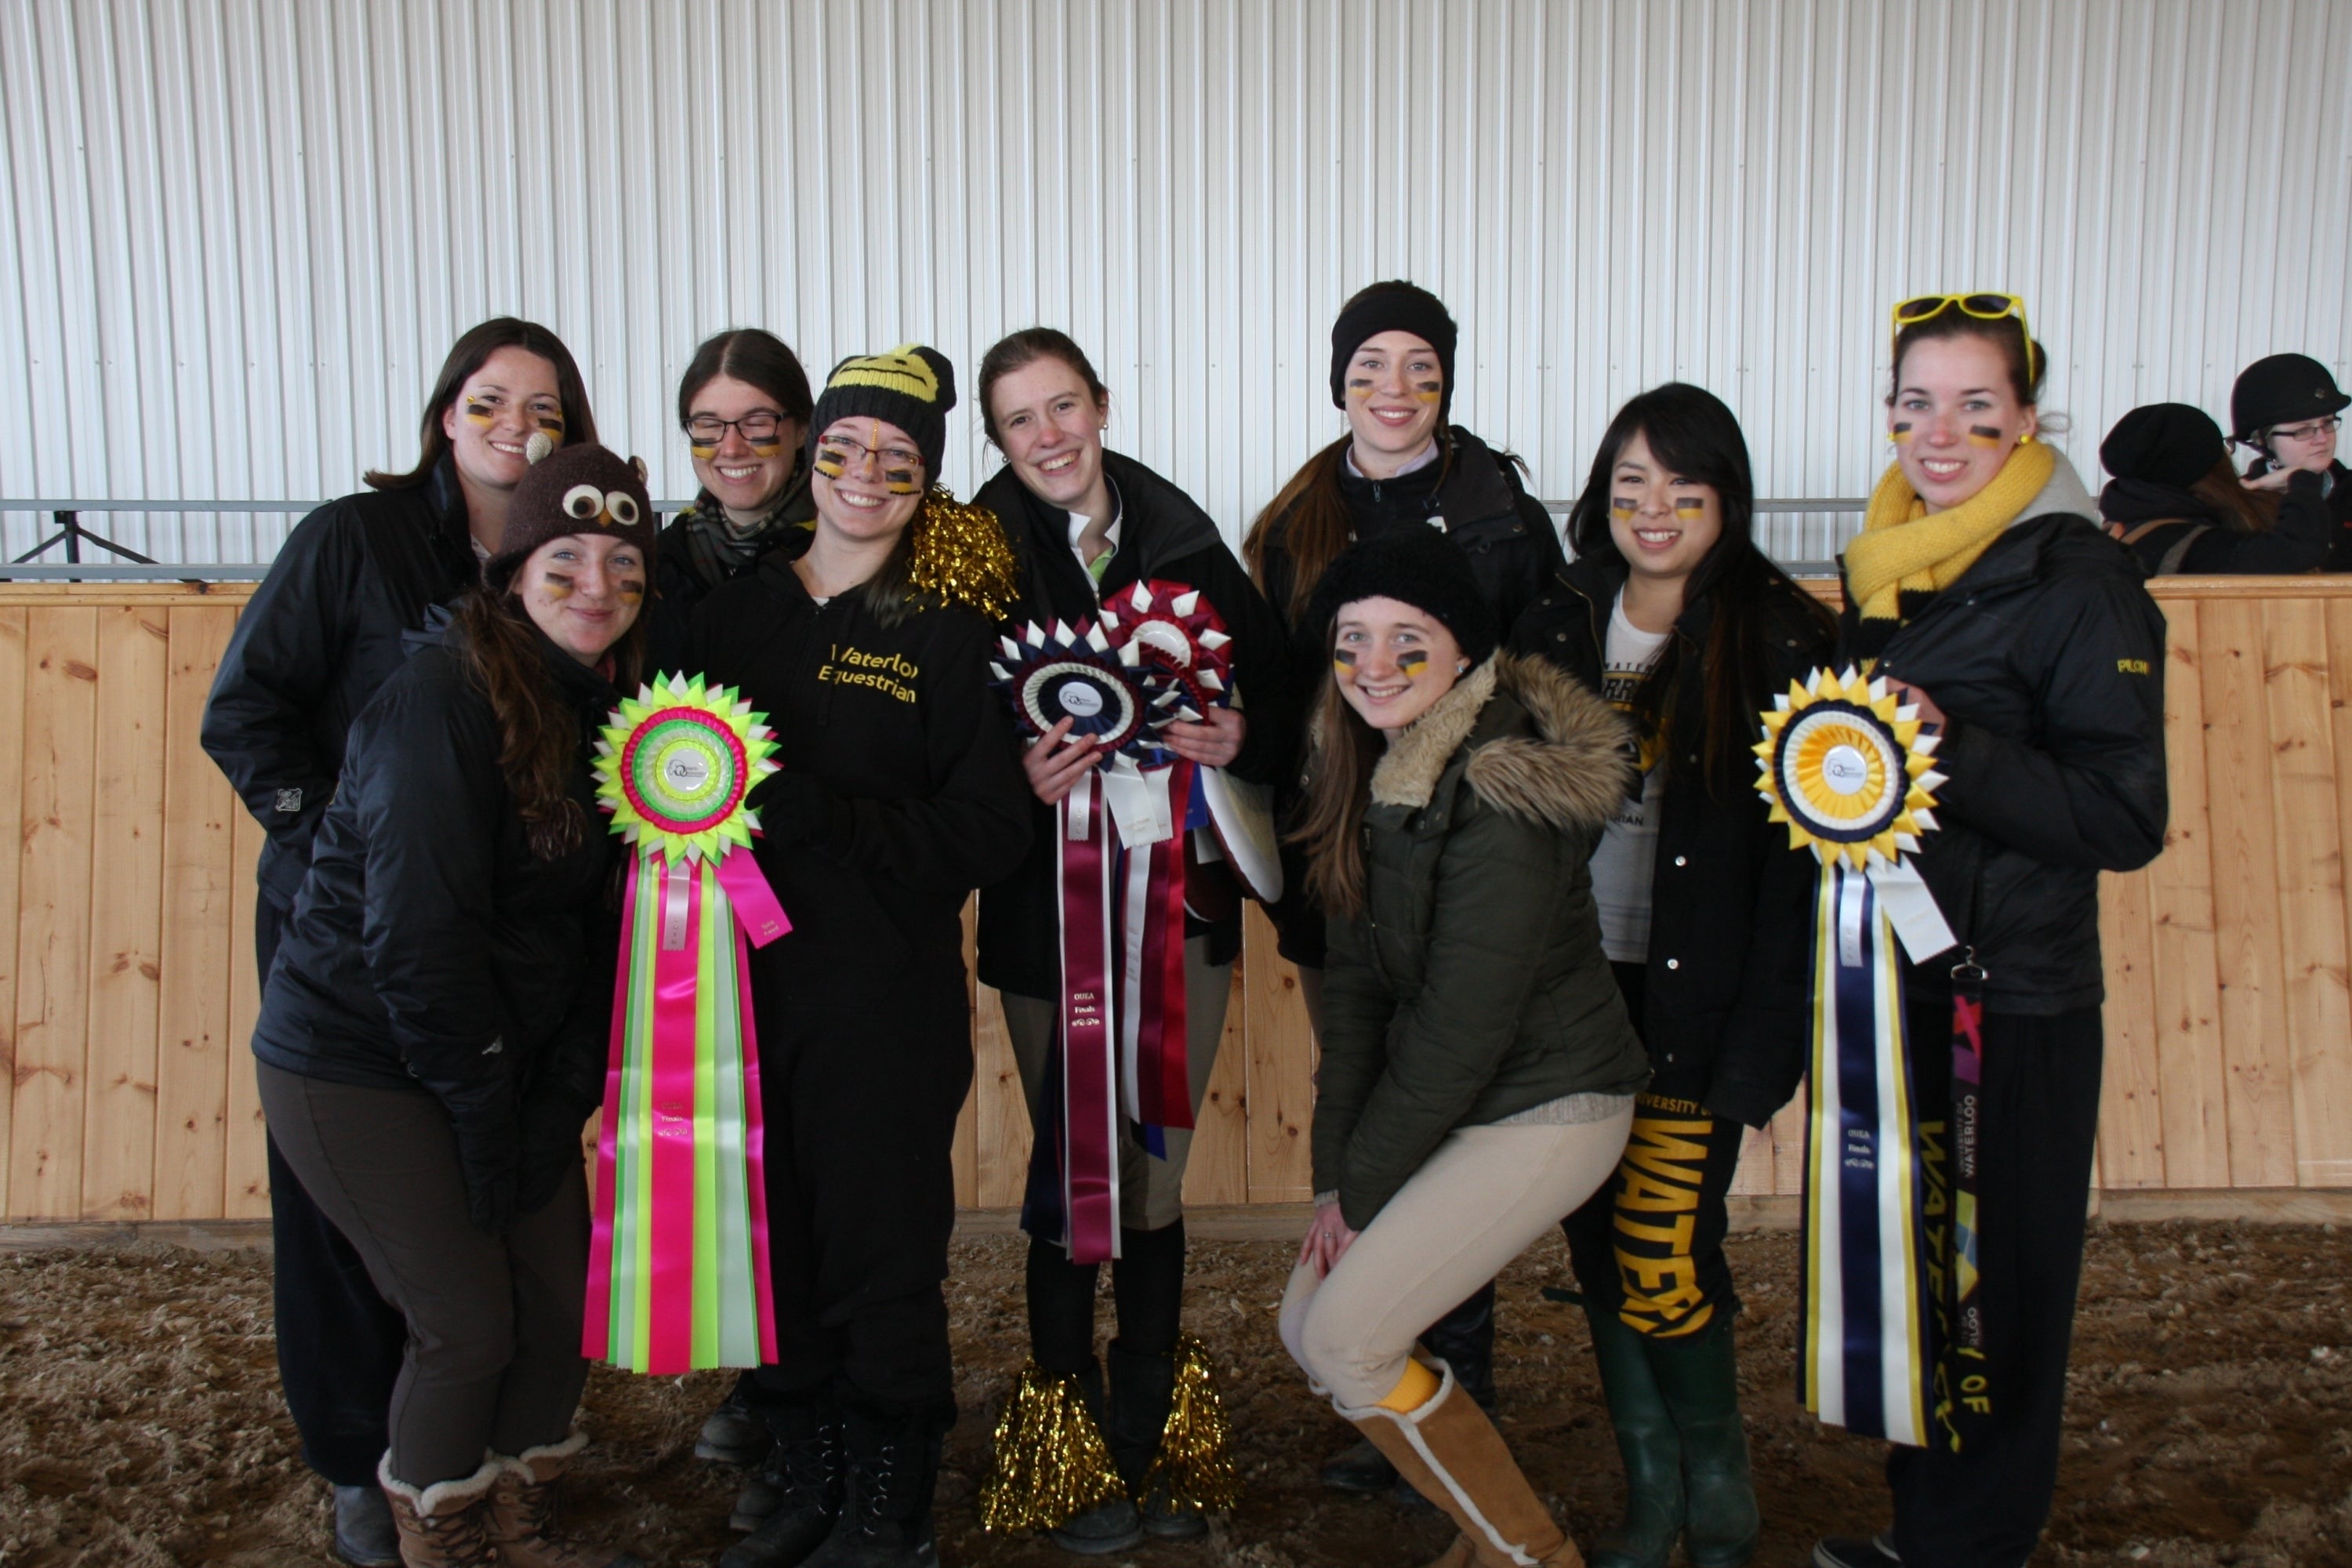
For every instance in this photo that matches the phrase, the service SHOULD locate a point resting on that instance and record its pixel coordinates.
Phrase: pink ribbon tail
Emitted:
(755, 1153)
(670, 1337)
(597, 1320)
(756, 908)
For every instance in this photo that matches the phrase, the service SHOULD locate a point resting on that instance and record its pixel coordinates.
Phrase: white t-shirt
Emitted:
(1626, 857)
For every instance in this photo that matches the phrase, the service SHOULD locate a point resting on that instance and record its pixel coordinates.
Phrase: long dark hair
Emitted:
(755, 358)
(1693, 435)
(1017, 351)
(539, 731)
(468, 354)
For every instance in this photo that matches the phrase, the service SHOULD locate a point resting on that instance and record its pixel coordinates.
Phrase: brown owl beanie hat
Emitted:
(573, 490)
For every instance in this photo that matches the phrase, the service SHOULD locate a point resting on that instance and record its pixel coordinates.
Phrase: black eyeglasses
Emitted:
(2310, 430)
(759, 428)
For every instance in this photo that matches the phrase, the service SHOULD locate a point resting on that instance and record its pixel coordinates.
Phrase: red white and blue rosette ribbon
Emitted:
(677, 1272)
(1846, 766)
(1158, 654)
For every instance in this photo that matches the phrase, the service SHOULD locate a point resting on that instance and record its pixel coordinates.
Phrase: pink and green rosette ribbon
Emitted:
(678, 1267)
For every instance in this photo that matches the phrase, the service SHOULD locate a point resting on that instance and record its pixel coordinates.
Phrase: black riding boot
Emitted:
(1647, 1443)
(800, 1487)
(894, 1466)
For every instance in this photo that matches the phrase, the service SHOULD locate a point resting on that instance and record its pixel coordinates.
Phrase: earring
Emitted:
(2024, 438)
(1461, 667)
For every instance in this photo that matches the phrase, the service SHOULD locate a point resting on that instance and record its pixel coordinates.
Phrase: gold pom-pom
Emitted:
(1051, 1463)
(960, 552)
(1195, 1463)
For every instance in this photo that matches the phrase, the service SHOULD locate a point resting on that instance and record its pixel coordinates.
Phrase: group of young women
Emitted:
(1556, 954)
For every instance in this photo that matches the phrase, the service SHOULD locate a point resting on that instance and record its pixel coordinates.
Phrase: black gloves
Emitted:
(794, 808)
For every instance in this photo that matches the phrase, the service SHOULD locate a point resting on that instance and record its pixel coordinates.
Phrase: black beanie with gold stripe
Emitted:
(911, 386)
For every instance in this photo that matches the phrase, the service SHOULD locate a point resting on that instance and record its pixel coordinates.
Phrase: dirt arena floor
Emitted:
(2209, 1422)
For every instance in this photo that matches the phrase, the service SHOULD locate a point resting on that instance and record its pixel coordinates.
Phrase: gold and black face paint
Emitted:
(1411, 662)
(558, 584)
(481, 413)
(832, 462)
(1984, 436)
(1360, 386)
(1902, 433)
(763, 451)
(1343, 662)
(1689, 506)
(704, 450)
(1429, 391)
(630, 589)
(551, 423)
(1622, 508)
(903, 481)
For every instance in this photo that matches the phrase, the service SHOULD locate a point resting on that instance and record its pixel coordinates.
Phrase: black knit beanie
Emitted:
(1417, 567)
(2164, 444)
(911, 386)
(1395, 306)
(573, 490)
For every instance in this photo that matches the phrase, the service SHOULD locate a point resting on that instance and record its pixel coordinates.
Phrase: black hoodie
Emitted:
(1164, 534)
(917, 780)
(2169, 530)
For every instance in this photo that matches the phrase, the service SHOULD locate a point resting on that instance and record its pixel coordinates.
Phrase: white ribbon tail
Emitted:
(1139, 801)
(1911, 909)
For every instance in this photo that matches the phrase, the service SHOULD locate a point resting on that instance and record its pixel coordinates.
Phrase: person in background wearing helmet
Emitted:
(2287, 407)
(2177, 505)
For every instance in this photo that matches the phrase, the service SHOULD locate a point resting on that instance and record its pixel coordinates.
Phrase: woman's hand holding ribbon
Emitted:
(1213, 742)
(1054, 763)
(1929, 713)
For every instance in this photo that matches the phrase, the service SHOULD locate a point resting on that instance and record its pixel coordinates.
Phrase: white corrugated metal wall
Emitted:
(236, 236)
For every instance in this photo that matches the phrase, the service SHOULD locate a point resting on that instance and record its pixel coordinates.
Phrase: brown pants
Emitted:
(1150, 1189)
(493, 1359)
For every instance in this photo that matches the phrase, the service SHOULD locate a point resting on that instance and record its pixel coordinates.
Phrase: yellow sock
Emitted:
(1413, 1390)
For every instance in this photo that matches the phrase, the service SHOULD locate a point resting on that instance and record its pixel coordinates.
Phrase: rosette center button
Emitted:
(1079, 700)
(1845, 770)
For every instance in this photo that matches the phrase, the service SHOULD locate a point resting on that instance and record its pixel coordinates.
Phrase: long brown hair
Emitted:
(2250, 511)
(468, 354)
(1343, 751)
(539, 731)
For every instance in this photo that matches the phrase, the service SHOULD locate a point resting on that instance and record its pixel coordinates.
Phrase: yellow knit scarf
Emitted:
(1903, 546)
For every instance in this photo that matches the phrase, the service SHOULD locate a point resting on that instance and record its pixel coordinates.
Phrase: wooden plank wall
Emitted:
(127, 991)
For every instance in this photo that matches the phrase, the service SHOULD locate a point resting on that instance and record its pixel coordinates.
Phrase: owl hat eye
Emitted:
(583, 503)
(622, 506)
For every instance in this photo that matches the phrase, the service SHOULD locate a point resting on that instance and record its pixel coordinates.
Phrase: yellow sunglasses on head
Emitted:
(1983, 307)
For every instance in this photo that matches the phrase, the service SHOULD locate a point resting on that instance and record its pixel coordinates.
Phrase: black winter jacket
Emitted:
(2047, 658)
(1726, 998)
(321, 633)
(429, 949)
(1478, 497)
(909, 792)
(1163, 534)
(686, 568)
(1480, 500)
(1473, 986)
(2168, 529)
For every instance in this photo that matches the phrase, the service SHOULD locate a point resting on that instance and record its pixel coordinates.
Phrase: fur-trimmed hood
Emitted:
(1573, 771)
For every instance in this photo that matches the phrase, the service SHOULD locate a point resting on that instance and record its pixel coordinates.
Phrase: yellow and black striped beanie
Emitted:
(910, 386)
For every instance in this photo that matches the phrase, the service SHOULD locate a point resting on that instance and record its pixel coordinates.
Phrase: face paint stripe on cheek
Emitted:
(1360, 386)
(900, 481)
(1429, 391)
(704, 451)
(1984, 436)
(1689, 506)
(1622, 508)
(479, 413)
(1902, 434)
(771, 450)
(1413, 660)
(558, 584)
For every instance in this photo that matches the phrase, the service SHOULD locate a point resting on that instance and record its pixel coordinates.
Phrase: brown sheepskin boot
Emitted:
(1454, 1457)
(522, 1512)
(444, 1525)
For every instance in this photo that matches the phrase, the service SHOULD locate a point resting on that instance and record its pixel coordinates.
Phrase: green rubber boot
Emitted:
(1699, 1379)
(1648, 1443)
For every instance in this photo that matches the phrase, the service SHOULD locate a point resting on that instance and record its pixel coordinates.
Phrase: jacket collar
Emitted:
(1599, 579)
(1158, 523)
(1554, 753)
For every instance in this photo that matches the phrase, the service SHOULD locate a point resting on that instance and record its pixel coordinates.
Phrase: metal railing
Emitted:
(134, 567)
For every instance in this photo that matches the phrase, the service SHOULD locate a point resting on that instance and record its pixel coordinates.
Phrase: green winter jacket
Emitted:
(1473, 986)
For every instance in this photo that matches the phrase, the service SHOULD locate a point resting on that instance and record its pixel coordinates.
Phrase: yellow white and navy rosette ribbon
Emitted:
(1845, 766)
(677, 1275)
